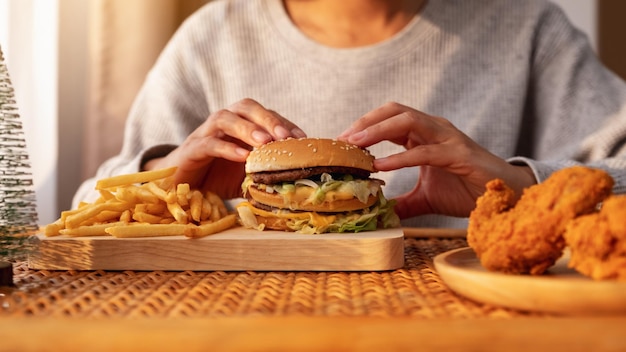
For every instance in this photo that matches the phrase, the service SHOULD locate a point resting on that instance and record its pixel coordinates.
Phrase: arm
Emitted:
(171, 123)
(576, 110)
(574, 114)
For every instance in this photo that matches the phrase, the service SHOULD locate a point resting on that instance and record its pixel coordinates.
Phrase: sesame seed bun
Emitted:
(301, 153)
(313, 185)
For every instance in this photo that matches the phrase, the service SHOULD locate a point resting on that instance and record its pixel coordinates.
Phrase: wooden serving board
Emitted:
(237, 249)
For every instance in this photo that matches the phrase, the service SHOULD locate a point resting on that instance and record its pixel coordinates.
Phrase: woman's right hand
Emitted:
(454, 169)
(212, 157)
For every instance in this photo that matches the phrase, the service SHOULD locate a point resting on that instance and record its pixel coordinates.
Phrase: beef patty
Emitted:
(272, 177)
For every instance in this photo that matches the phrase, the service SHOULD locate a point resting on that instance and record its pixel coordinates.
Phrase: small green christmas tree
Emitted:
(18, 212)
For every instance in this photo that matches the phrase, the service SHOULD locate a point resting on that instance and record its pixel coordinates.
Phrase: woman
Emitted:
(446, 94)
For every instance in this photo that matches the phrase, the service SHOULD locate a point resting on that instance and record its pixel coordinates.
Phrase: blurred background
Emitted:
(76, 66)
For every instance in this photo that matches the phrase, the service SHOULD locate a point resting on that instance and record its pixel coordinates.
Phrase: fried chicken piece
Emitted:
(598, 241)
(527, 237)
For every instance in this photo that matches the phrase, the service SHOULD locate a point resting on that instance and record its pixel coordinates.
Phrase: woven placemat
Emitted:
(415, 291)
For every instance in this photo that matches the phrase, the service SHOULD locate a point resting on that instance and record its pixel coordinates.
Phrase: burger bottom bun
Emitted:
(341, 203)
(278, 224)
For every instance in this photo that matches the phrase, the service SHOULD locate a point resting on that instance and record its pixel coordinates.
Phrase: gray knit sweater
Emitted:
(513, 75)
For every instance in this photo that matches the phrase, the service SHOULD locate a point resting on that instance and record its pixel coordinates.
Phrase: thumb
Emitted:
(409, 205)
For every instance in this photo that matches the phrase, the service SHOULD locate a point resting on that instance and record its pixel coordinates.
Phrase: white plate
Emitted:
(561, 290)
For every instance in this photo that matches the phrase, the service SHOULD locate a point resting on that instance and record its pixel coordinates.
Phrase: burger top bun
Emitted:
(301, 153)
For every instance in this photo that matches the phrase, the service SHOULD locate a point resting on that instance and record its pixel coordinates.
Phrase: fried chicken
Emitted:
(598, 241)
(527, 237)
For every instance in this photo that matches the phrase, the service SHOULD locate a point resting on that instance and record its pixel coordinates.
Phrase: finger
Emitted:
(373, 117)
(196, 153)
(223, 148)
(408, 127)
(225, 123)
(272, 123)
(408, 206)
(227, 136)
(449, 156)
(296, 131)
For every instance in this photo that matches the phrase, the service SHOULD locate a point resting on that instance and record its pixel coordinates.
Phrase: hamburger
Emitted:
(313, 185)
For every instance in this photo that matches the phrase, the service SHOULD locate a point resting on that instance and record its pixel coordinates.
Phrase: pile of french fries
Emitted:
(145, 204)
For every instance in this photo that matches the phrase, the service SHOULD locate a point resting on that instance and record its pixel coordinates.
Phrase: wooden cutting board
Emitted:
(237, 249)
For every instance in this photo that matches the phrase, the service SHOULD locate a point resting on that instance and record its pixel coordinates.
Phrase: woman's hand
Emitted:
(453, 168)
(212, 157)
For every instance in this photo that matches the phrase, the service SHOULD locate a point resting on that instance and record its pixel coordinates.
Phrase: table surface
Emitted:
(407, 307)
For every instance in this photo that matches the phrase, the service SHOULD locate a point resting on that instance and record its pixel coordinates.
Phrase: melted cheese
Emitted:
(315, 219)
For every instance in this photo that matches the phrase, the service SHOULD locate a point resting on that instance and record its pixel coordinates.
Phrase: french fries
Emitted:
(210, 228)
(139, 177)
(145, 204)
(147, 230)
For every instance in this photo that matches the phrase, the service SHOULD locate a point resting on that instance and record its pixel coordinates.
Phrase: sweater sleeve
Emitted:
(169, 106)
(576, 109)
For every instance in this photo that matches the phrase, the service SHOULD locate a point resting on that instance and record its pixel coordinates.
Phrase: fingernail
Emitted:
(241, 151)
(281, 132)
(381, 163)
(298, 133)
(346, 132)
(358, 136)
(261, 137)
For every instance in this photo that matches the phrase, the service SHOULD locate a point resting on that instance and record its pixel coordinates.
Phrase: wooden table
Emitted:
(405, 309)
(262, 333)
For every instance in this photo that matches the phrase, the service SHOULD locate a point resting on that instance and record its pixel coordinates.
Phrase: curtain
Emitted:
(125, 38)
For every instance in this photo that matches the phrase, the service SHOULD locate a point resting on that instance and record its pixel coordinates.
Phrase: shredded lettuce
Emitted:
(381, 215)
(248, 219)
(361, 189)
(306, 182)
(247, 182)
(285, 188)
